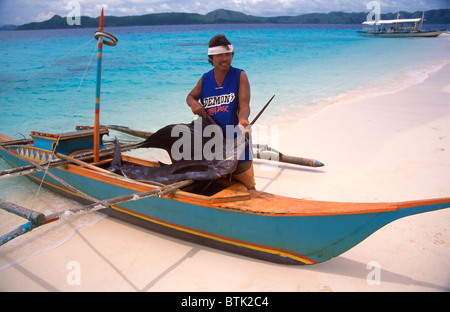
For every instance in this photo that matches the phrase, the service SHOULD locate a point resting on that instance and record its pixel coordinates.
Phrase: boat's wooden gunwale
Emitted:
(238, 199)
(4, 138)
(402, 34)
(233, 193)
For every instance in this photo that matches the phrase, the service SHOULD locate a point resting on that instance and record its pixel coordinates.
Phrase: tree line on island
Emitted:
(223, 16)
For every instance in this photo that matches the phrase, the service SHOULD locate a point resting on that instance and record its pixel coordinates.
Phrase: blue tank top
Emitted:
(222, 104)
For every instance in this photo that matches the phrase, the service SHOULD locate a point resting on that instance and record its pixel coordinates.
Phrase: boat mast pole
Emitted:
(97, 92)
(421, 22)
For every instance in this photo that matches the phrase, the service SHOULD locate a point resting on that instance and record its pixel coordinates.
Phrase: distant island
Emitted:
(223, 16)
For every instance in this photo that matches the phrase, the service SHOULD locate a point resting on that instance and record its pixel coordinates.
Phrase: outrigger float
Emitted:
(222, 213)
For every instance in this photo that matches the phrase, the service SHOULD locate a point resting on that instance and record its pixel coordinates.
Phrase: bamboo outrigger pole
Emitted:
(40, 219)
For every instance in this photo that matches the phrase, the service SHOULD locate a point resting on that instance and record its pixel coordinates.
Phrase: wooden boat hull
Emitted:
(252, 223)
(385, 34)
(256, 224)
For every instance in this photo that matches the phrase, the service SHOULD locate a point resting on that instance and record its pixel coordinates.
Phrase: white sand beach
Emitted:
(392, 147)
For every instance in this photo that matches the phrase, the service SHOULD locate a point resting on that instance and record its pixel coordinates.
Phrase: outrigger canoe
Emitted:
(221, 214)
(228, 216)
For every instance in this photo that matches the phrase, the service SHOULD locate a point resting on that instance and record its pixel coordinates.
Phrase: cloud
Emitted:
(24, 11)
(44, 16)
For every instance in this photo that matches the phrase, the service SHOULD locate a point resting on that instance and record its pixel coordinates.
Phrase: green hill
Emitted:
(222, 16)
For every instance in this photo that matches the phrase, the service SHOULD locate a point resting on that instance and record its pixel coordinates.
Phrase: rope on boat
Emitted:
(112, 39)
(57, 143)
(36, 167)
(36, 219)
(47, 172)
(20, 171)
(41, 220)
(46, 67)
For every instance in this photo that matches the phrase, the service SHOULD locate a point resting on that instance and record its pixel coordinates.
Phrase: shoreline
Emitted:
(390, 147)
(381, 122)
(390, 84)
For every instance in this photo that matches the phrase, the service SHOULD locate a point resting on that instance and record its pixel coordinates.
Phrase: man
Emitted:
(224, 93)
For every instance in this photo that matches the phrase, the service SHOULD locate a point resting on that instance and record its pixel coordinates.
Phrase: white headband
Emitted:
(220, 50)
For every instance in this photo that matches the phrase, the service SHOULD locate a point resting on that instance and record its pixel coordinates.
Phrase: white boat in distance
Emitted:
(411, 27)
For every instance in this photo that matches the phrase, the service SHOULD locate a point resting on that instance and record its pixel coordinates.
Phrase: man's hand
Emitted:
(193, 99)
(244, 127)
(197, 108)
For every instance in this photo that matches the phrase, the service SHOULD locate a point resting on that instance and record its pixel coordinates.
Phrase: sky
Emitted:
(18, 12)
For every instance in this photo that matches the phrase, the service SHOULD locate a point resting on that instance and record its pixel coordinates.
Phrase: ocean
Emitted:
(147, 76)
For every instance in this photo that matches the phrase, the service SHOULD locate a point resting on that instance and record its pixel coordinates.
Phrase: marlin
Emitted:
(178, 170)
(197, 170)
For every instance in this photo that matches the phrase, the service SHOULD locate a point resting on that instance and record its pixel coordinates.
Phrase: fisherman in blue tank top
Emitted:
(224, 93)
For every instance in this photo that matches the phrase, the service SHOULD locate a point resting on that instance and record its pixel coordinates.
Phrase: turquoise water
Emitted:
(146, 78)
